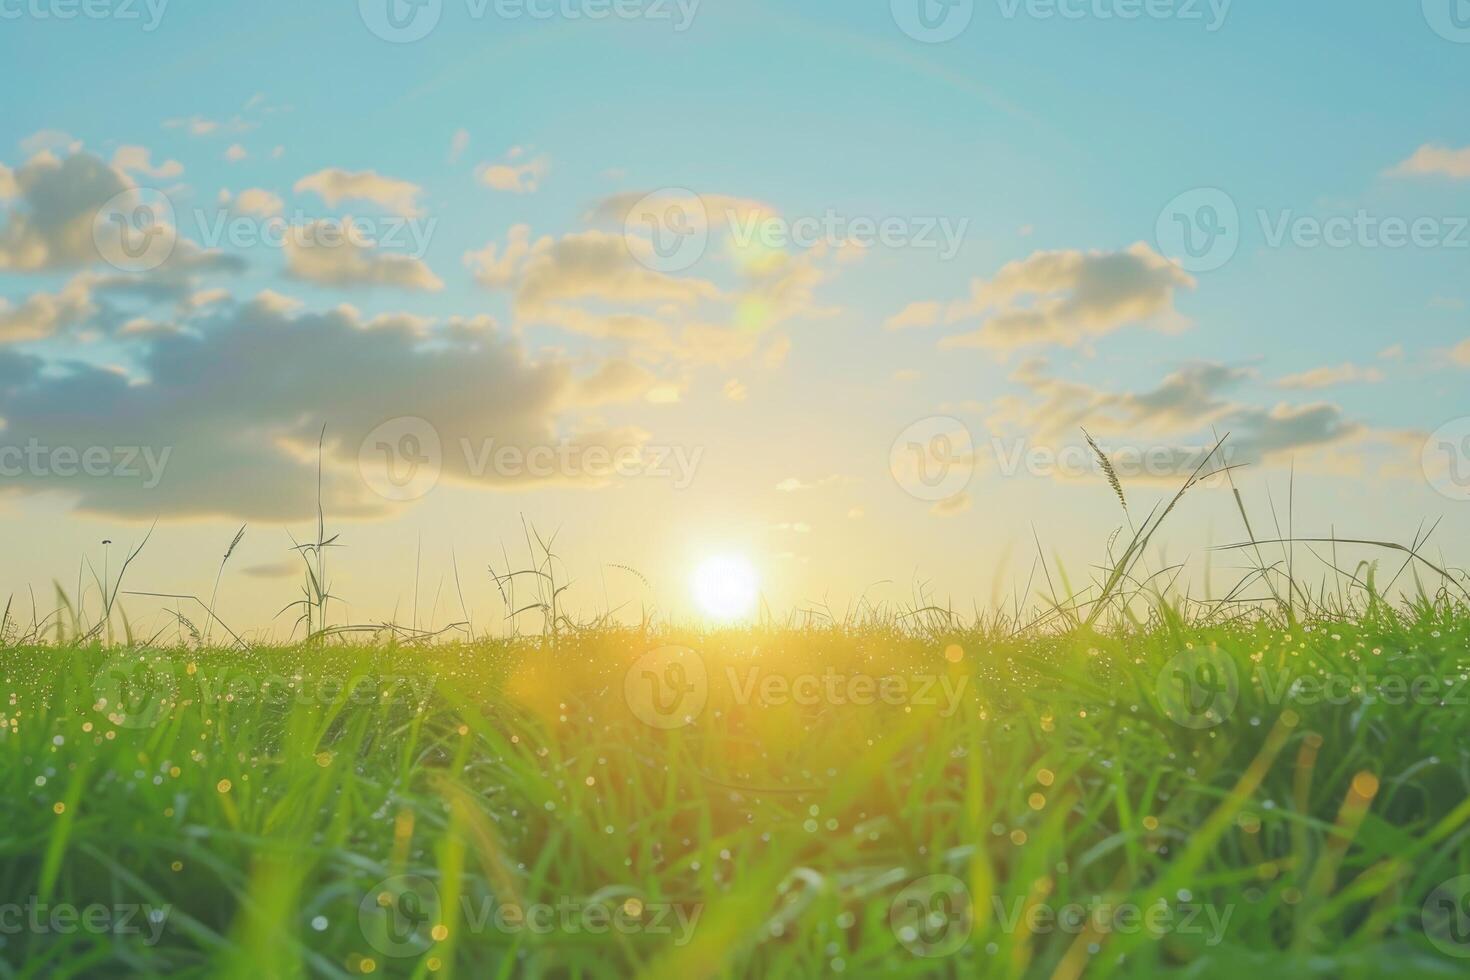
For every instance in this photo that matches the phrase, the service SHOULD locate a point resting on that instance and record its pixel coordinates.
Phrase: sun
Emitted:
(725, 586)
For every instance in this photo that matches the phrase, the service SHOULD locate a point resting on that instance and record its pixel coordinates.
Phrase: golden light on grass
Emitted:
(725, 587)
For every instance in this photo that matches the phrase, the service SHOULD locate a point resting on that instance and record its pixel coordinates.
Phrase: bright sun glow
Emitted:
(725, 586)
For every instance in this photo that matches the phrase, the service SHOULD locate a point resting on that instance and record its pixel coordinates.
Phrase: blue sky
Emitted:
(1055, 141)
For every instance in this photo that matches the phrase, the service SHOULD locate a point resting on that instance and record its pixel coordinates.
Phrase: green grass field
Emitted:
(1206, 800)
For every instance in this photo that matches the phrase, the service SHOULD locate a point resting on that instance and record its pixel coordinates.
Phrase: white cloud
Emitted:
(336, 253)
(138, 159)
(263, 203)
(335, 185)
(458, 143)
(1435, 161)
(1326, 377)
(1074, 296)
(950, 506)
(58, 203)
(234, 405)
(50, 141)
(792, 484)
(1188, 402)
(496, 267)
(44, 314)
(606, 283)
(196, 125)
(599, 266)
(615, 381)
(516, 172)
(924, 313)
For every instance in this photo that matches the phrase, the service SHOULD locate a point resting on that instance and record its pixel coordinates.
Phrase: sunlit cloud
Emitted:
(336, 186)
(518, 172)
(1432, 160)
